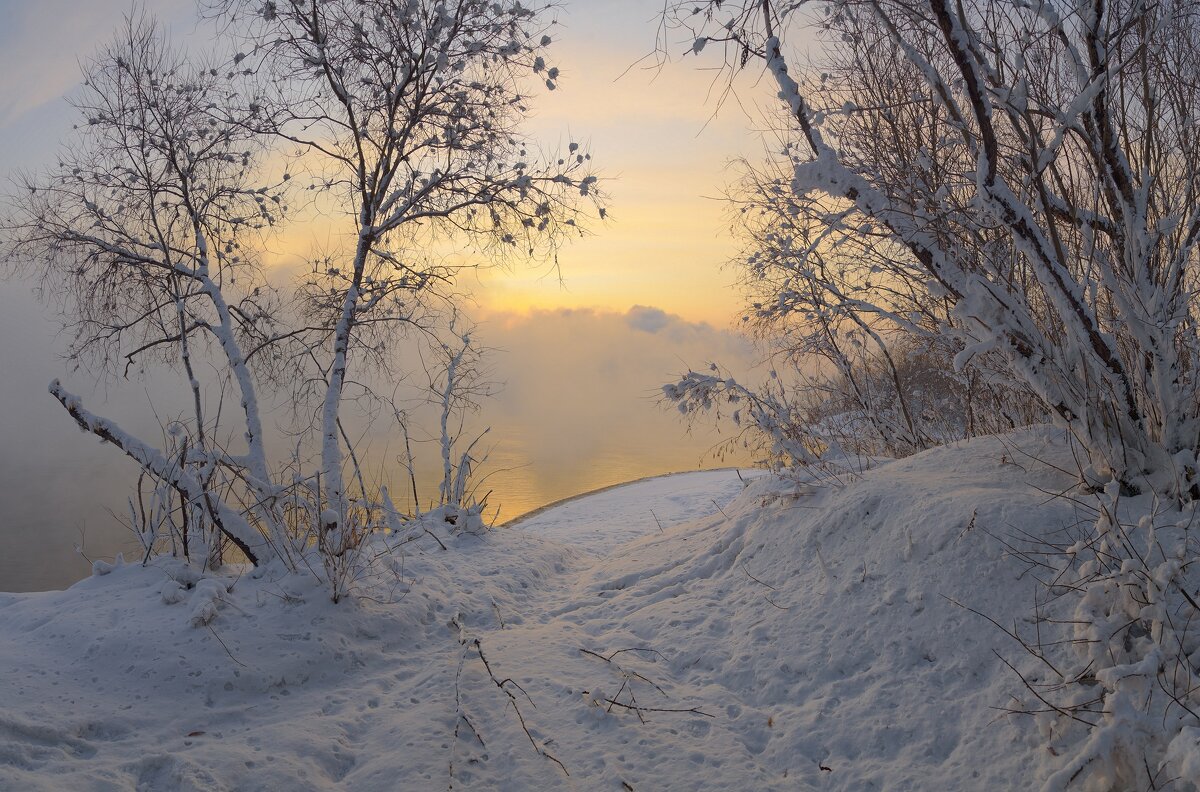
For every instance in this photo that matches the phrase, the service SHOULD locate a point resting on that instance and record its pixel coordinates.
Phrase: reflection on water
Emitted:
(521, 484)
(40, 534)
(523, 471)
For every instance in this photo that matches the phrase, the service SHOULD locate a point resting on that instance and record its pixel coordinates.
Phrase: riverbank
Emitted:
(685, 632)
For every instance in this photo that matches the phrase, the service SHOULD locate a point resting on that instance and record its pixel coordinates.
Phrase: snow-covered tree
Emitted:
(410, 114)
(139, 233)
(403, 120)
(848, 312)
(1022, 181)
(1020, 177)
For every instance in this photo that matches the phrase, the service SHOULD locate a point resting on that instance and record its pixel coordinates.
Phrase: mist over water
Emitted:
(578, 410)
(55, 506)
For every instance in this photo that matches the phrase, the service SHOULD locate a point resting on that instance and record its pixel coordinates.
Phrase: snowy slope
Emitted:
(775, 638)
(608, 518)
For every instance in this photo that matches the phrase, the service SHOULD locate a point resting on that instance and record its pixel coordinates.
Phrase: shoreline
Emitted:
(563, 501)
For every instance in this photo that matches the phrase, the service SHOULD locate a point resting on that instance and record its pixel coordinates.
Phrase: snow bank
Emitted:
(819, 629)
(109, 687)
(779, 637)
(610, 517)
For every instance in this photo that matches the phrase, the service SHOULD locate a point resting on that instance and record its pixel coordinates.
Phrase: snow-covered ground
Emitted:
(605, 519)
(771, 637)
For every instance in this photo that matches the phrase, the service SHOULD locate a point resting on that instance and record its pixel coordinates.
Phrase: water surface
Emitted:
(81, 495)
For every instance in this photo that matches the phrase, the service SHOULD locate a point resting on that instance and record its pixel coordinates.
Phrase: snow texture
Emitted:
(801, 638)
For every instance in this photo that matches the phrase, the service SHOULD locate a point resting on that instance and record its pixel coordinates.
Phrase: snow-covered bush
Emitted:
(1112, 647)
(907, 397)
(902, 399)
(461, 379)
(1020, 182)
(779, 429)
(401, 122)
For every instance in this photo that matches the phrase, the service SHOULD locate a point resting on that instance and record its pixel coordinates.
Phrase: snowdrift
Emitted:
(793, 637)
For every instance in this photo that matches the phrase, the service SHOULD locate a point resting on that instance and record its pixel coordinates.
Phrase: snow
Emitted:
(776, 637)
(603, 520)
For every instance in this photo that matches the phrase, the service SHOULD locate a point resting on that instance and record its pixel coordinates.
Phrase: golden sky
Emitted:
(663, 154)
(653, 134)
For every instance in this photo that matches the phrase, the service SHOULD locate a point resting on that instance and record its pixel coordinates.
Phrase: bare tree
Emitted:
(140, 233)
(461, 381)
(407, 117)
(410, 113)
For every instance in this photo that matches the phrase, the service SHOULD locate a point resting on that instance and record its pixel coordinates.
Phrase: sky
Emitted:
(644, 297)
(654, 133)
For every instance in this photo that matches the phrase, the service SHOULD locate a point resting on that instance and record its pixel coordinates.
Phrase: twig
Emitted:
(439, 541)
(627, 685)
(226, 648)
(503, 684)
(756, 580)
(623, 671)
(460, 713)
(1010, 634)
(1040, 697)
(640, 709)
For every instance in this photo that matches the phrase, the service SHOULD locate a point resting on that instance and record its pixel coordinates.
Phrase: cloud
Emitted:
(647, 319)
(583, 378)
(41, 45)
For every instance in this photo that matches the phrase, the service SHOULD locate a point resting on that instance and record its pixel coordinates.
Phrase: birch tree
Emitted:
(411, 113)
(403, 121)
(139, 234)
(1031, 166)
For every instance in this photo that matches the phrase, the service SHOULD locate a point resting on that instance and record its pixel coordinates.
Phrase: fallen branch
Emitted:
(627, 678)
(468, 643)
(640, 709)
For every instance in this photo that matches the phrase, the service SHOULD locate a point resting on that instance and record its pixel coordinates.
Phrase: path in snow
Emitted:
(804, 640)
